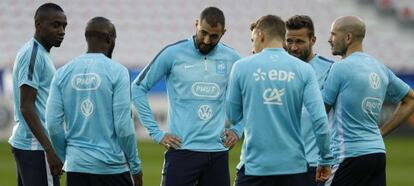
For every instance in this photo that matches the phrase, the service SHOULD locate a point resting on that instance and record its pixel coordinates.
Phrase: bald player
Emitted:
(92, 95)
(356, 88)
(32, 73)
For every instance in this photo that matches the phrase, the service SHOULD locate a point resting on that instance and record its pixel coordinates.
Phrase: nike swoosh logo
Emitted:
(189, 66)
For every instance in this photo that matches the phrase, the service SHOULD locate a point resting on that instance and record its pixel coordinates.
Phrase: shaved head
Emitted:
(99, 27)
(100, 35)
(351, 24)
(43, 12)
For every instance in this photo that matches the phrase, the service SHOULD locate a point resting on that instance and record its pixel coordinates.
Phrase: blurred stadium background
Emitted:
(144, 27)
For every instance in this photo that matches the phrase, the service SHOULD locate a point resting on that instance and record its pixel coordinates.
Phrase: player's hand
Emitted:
(54, 162)
(230, 138)
(170, 141)
(137, 178)
(323, 173)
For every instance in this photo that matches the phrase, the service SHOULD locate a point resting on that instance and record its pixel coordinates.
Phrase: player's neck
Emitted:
(310, 57)
(96, 49)
(274, 44)
(355, 47)
(43, 43)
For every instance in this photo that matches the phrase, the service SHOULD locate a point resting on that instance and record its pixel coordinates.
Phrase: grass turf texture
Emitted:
(400, 162)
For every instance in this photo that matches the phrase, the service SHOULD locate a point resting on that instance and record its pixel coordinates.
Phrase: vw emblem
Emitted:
(374, 80)
(205, 112)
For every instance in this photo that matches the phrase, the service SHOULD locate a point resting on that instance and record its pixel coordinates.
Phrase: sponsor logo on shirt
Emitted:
(188, 66)
(273, 96)
(372, 106)
(273, 75)
(205, 112)
(87, 107)
(374, 80)
(89, 81)
(204, 89)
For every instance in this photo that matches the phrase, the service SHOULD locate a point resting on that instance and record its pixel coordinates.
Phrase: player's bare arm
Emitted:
(28, 97)
(403, 110)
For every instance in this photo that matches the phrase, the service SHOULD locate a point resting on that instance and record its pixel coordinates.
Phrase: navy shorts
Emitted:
(366, 170)
(184, 167)
(32, 168)
(301, 179)
(85, 179)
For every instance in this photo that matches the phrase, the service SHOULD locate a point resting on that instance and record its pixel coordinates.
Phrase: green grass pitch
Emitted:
(400, 162)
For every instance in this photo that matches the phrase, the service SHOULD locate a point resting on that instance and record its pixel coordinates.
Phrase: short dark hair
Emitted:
(45, 8)
(270, 24)
(213, 16)
(297, 22)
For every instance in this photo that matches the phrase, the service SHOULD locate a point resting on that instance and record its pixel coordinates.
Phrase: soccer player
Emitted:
(356, 88)
(196, 70)
(300, 38)
(32, 73)
(91, 94)
(267, 91)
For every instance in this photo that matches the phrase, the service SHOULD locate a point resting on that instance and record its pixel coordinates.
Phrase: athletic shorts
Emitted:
(86, 179)
(301, 179)
(185, 167)
(32, 168)
(365, 170)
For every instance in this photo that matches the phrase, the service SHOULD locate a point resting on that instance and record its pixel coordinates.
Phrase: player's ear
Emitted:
(261, 36)
(313, 40)
(108, 38)
(348, 38)
(37, 24)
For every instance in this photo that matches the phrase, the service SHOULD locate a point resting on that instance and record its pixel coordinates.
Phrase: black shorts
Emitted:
(301, 179)
(85, 179)
(365, 170)
(32, 168)
(184, 167)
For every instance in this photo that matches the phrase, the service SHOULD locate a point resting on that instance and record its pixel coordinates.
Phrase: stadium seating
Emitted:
(144, 27)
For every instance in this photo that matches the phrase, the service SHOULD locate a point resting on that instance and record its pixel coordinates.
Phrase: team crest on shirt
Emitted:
(87, 107)
(221, 67)
(205, 112)
(374, 80)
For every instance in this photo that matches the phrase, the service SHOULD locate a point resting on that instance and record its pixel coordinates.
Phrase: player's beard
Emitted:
(304, 54)
(339, 48)
(205, 48)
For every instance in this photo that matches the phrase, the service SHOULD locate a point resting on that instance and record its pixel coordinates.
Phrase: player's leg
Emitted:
(77, 179)
(355, 171)
(216, 172)
(301, 179)
(245, 180)
(378, 178)
(311, 175)
(182, 167)
(33, 169)
(122, 179)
